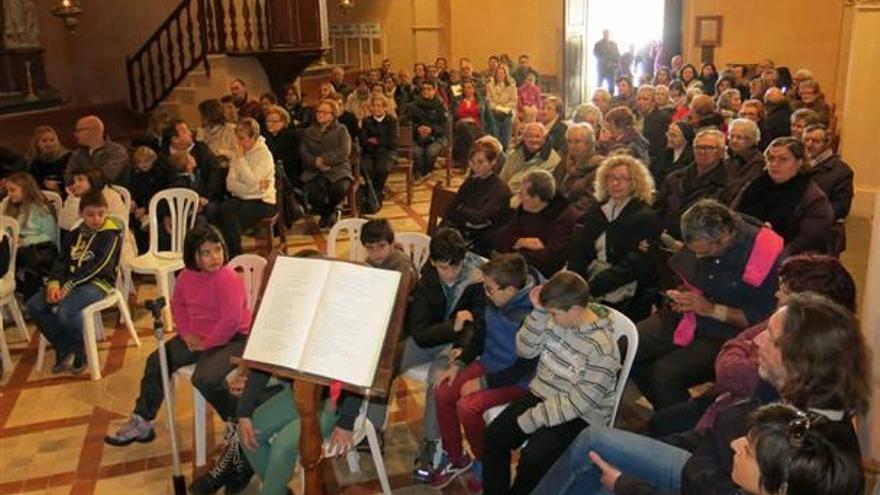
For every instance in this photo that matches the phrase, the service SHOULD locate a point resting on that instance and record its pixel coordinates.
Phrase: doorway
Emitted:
(633, 25)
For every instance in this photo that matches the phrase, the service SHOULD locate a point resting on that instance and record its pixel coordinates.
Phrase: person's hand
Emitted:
(471, 386)
(53, 294)
(203, 202)
(69, 190)
(235, 382)
(166, 222)
(341, 441)
(461, 318)
(454, 354)
(424, 130)
(530, 243)
(610, 474)
(448, 375)
(248, 433)
(373, 141)
(193, 343)
(684, 301)
(535, 296)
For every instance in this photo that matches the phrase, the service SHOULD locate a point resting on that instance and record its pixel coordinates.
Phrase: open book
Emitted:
(326, 318)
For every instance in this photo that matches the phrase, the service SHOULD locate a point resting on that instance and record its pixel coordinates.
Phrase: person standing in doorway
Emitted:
(607, 57)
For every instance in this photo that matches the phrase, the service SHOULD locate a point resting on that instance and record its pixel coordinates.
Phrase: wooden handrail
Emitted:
(185, 39)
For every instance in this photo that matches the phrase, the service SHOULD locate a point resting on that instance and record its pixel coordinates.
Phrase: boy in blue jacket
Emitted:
(486, 372)
(84, 274)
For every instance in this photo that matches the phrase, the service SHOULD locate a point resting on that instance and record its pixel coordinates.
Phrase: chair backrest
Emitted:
(352, 227)
(124, 194)
(405, 141)
(441, 198)
(57, 203)
(183, 205)
(252, 267)
(416, 245)
(10, 227)
(623, 328)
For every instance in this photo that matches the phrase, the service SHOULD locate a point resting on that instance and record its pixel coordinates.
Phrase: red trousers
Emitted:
(456, 412)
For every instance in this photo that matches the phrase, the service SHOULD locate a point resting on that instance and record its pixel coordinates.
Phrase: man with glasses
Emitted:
(96, 150)
(828, 170)
(705, 178)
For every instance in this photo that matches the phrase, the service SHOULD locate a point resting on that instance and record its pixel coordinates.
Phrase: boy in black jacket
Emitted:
(84, 274)
(378, 144)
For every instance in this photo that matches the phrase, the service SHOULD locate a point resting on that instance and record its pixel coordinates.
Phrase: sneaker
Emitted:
(223, 472)
(424, 461)
(79, 365)
(62, 363)
(450, 470)
(136, 429)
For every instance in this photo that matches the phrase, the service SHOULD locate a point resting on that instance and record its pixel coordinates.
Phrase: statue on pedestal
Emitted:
(20, 28)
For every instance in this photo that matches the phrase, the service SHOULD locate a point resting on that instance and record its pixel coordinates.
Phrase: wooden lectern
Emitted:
(307, 389)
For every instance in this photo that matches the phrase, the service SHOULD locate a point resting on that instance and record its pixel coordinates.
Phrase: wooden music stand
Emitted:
(308, 388)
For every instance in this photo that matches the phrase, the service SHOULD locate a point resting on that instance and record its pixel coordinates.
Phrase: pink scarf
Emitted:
(765, 250)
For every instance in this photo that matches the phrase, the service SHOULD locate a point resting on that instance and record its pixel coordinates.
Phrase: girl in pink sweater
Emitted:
(212, 319)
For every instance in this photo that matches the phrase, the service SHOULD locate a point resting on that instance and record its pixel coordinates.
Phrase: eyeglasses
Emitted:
(706, 149)
(618, 178)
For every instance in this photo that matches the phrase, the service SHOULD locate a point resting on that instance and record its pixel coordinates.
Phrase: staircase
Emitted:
(175, 65)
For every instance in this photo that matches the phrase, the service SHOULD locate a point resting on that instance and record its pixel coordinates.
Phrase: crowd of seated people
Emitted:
(688, 202)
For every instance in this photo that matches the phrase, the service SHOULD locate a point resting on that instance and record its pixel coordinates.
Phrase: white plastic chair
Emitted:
(253, 268)
(416, 245)
(9, 228)
(352, 227)
(623, 327)
(93, 326)
(125, 195)
(183, 207)
(57, 203)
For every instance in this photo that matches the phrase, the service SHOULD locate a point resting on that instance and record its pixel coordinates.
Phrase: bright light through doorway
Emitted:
(631, 22)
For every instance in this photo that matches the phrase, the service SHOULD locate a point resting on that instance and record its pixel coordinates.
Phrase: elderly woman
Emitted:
(502, 97)
(587, 113)
(802, 118)
(602, 99)
(216, 131)
(250, 181)
(729, 104)
(679, 151)
(48, 159)
(811, 97)
(578, 165)
(605, 250)
(787, 199)
(481, 203)
(327, 175)
(745, 162)
(534, 152)
(282, 141)
(619, 131)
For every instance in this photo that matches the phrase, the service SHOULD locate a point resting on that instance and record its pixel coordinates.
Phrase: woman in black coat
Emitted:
(786, 198)
(283, 142)
(606, 249)
(678, 154)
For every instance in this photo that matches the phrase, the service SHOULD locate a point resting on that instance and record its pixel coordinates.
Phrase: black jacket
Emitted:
(556, 136)
(665, 163)
(285, 149)
(52, 170)
(683, 188)
(431, 113)
(654, 129)
(637, 222)
(776, 124)
(385, 133)
(835, 178)
(426, 320)
(89, 257)
(743, 169)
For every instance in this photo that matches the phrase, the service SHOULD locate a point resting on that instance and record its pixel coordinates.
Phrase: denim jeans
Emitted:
(651, 460)
(62, 323)
(503, 129)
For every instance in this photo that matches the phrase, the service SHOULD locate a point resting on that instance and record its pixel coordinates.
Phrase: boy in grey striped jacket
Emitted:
(578, 364)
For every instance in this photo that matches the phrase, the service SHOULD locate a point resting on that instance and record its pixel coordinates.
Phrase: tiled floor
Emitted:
(51, 428)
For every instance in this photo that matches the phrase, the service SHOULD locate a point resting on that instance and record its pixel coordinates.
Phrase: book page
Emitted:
(349, 329)
(287, 311)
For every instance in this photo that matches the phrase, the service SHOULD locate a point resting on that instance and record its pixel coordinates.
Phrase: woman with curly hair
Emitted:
(605, 251)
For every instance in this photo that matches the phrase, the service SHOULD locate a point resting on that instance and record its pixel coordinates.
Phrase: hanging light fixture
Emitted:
(67, 12)
(346, 4)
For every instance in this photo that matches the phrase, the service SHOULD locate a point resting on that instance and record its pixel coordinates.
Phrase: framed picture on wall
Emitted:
(708, 32)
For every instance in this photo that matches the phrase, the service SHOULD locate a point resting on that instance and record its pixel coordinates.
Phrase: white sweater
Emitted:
(246, 172)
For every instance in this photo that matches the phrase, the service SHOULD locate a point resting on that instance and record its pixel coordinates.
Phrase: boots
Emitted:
(231, 469)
